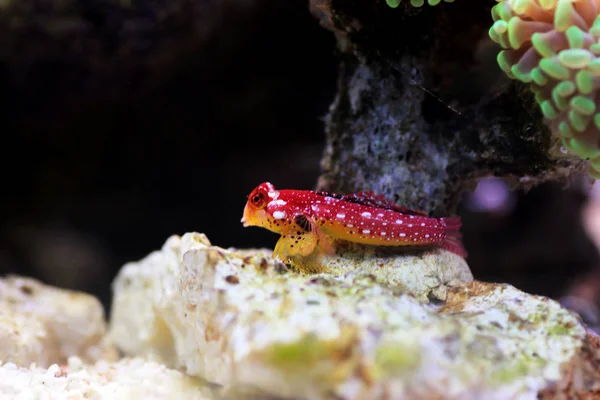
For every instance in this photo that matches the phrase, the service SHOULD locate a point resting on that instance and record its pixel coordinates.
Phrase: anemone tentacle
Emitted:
(554, 45)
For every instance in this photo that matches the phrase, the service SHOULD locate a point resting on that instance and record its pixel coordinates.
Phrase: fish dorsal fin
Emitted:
(369, 198)
(378, 200)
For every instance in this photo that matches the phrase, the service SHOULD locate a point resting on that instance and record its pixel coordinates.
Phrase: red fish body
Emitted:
(308, 220)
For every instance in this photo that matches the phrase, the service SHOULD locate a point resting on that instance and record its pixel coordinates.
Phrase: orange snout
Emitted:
(253, 216)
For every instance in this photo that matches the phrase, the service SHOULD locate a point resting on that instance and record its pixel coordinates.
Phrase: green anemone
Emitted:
(561, 62)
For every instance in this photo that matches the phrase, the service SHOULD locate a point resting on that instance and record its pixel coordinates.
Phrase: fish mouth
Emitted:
(244, 219)
(252, 217)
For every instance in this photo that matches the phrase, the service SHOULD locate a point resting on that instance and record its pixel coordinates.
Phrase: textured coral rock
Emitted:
(425, 275)
(46, 325)
(246, 322)
(122, 380)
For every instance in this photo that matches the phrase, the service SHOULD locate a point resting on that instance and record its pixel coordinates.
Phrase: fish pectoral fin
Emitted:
(303, 251)
(303, 246)
(324, 245)
(306, 239)
(309, 226)
(295, 245)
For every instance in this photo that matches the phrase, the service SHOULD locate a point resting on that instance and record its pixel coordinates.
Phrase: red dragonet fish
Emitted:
(309, 220)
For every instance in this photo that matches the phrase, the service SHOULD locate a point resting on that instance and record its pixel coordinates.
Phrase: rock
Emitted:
(125, 379)
(45, 325)
(248, 323)
(425, 274)
(422, 110)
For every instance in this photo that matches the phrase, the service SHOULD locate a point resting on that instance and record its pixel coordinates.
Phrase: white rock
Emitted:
(123, 380)
(243, 321)
(44, 325)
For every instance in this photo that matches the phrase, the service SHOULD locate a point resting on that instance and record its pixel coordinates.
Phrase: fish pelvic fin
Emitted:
(303, 245)
(307, 224)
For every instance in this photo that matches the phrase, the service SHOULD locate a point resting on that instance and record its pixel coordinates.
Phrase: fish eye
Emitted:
(258, 199)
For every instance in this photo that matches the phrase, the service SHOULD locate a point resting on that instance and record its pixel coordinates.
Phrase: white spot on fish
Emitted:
(366, 231)
(314, 208)
(383, 233)
(278, 203)
(341, 216)
(366, 214)
(422, 223)
(278, 214)
(271, 188)
(399, 221)
(350, 226)
(402, 234)
(427, 235)
(385, 224)
(380, 215)
(410, 225)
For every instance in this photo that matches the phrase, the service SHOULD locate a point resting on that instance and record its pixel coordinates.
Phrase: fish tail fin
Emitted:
(453, 239)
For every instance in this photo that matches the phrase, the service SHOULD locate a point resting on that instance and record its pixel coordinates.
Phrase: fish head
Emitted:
(255, 211)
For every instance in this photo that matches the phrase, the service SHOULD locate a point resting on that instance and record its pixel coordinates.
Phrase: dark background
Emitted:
(103, 166)
(112, 143)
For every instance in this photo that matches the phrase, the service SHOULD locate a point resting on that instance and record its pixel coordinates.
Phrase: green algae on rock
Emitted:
(248, 323)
